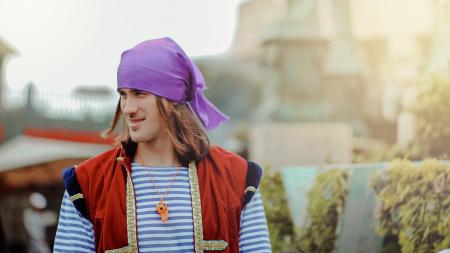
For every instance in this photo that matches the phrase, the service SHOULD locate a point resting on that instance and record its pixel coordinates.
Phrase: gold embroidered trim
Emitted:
(215, 245)
(125, 249)
(250, 189)
(196, 208)
(76, 196)
(131, 217)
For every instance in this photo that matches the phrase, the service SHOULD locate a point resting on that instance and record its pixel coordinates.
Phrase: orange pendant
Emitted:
(163, 210)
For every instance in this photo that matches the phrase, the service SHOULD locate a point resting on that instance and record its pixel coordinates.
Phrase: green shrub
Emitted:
(278, 214)
(325, 204)
(414, 204)
(432, 112)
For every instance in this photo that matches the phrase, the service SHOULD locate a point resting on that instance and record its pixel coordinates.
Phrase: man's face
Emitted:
(141, 115)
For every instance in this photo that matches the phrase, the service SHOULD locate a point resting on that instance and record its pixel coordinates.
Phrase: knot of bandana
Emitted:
(162, 68)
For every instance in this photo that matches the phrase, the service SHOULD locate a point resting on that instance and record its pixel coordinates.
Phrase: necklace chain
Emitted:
(161, 207)
(154, 183)
(168, 187)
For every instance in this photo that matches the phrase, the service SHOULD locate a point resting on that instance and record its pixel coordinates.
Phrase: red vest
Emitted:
(221, 179)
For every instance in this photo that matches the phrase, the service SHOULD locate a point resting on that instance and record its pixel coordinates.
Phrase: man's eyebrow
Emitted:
(138, 91)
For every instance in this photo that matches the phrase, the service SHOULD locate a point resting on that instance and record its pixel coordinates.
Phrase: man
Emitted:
(165, 189)
(36, 219)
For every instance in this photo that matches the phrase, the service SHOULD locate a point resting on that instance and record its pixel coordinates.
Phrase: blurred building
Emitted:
(369, 41)
(346, 61)
(254, 18)
(40, 135)
(33, 162)
(280, 145)
(4, 51)
(440, 51)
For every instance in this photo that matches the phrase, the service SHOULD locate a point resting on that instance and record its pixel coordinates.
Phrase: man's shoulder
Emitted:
(217, 152)
(225, 161)
(88, 178)
(106, 158)
(237, 170)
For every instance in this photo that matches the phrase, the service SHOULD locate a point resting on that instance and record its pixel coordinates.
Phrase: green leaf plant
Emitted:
(414, 204)
(326, 201)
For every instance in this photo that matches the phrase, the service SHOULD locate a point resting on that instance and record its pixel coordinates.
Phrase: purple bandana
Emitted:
(162, 68)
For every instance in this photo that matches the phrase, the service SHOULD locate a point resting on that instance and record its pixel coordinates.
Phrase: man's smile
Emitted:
(134, 122)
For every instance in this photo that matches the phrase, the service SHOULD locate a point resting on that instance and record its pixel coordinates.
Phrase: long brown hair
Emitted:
(184, 129)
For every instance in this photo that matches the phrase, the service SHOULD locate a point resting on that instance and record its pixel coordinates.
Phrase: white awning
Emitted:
(24, 151)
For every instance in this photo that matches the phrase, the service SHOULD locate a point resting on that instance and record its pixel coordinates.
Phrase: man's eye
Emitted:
(139, 93)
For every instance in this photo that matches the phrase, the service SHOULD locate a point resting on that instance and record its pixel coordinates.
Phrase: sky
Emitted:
(60, 44)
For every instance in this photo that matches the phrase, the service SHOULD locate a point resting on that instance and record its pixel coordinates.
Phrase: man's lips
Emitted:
(135, 121)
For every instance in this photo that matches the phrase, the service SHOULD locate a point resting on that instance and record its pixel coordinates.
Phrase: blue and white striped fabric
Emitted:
(75, 233)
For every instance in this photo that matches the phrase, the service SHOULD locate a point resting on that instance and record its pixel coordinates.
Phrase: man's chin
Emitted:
(136, 139)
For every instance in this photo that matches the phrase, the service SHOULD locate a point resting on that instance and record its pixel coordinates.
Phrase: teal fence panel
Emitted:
(297, 181)
(356, 232)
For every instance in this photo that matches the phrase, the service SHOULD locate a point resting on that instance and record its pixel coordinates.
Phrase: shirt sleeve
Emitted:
(253, 233)
(74, 233)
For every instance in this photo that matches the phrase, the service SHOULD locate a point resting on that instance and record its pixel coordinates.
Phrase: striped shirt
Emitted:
(76, 234)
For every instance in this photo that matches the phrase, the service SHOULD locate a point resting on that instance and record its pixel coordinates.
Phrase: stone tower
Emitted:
(4, 50)
(344, 72)
(294, 51)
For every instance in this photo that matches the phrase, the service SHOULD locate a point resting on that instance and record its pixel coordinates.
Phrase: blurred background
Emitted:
(327, 95)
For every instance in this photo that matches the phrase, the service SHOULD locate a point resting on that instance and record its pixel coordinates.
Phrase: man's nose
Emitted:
(129, 106)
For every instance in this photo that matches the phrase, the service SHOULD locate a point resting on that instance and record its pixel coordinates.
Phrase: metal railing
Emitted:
(61, 105)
